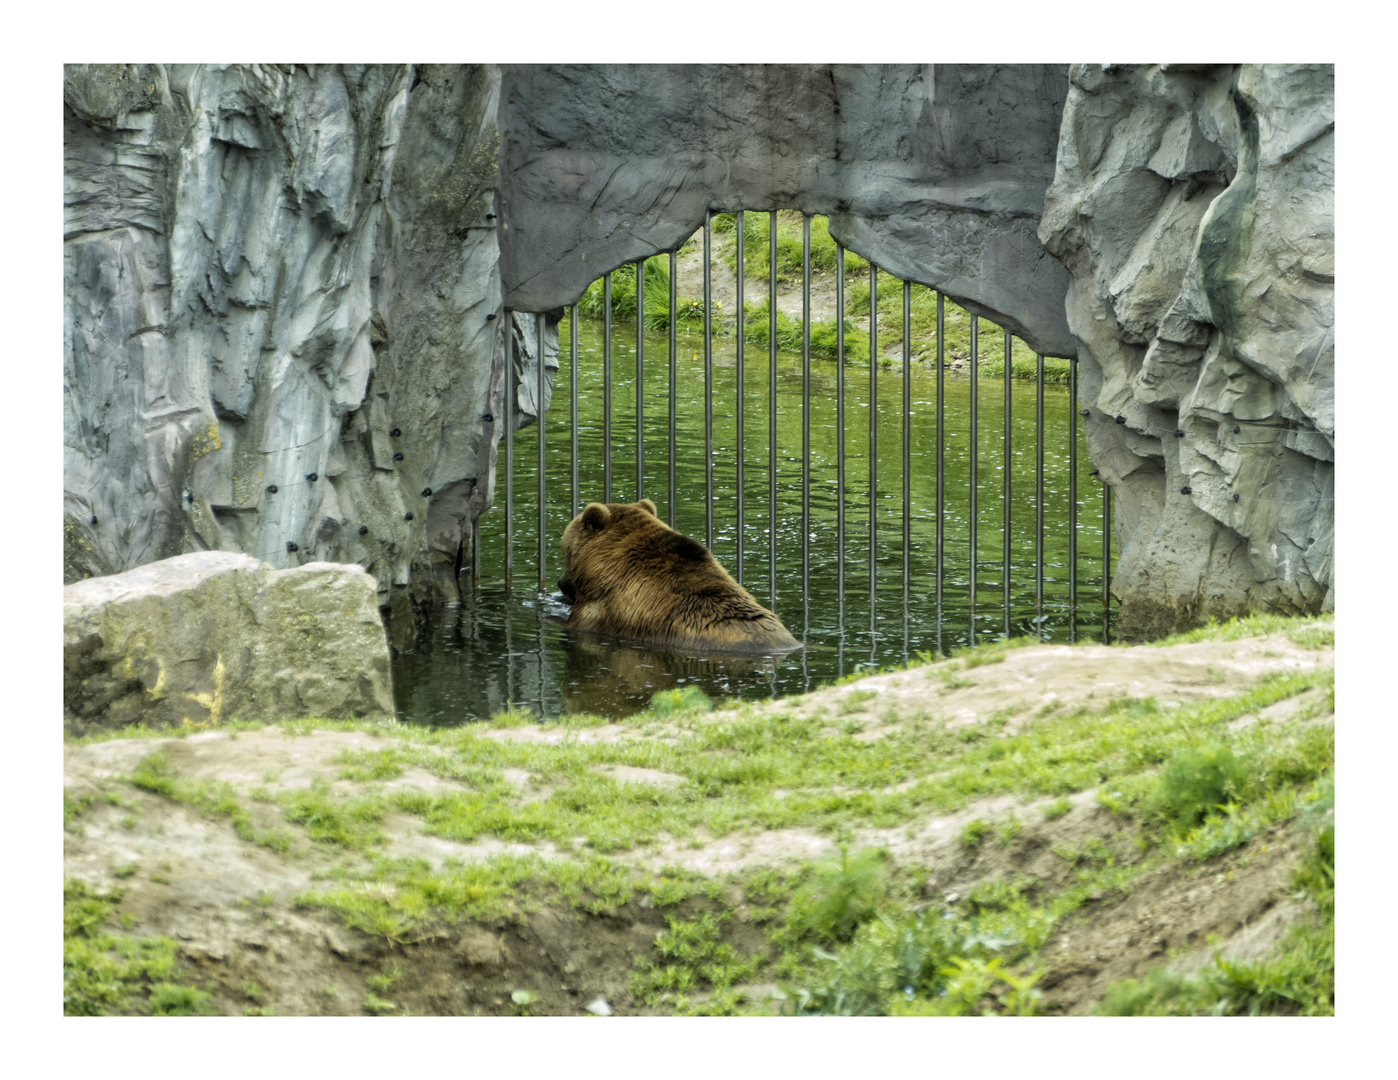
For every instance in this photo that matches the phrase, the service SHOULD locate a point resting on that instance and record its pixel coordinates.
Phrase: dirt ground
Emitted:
(723, 284)
(230, 904)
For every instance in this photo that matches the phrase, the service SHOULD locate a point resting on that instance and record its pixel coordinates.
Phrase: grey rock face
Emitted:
(936, 173)
(1194, 208)
(280, 277)
(214, 636)
(278, 273)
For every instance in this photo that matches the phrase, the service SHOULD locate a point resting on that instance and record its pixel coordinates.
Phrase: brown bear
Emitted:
(627, 573)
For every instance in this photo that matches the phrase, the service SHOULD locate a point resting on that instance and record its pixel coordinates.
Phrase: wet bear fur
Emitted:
(629, 574)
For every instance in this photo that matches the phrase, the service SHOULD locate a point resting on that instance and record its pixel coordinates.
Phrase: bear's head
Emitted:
(596, 530)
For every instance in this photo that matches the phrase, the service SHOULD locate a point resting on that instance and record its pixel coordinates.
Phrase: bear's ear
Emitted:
(595, 516)
(648, 507)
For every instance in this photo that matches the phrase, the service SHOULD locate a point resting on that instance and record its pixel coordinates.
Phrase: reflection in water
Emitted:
(496, 650)
(613, 679)
(500, 648)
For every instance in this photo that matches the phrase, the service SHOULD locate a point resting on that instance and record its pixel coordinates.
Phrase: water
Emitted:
(502, 647)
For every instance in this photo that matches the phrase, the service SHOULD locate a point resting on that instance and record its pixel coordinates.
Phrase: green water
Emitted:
(503, 647)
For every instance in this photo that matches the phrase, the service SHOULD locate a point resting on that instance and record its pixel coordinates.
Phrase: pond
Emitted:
(505, 647)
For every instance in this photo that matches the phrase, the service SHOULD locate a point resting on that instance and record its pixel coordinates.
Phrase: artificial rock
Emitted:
(270, 270)
(1194, 208)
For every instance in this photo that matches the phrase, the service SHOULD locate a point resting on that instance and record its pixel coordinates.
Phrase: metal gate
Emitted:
(854, 497)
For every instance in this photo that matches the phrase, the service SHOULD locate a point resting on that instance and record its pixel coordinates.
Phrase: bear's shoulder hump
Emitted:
(685, 548)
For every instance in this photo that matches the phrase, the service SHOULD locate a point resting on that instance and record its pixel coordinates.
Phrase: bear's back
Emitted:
(636, 577)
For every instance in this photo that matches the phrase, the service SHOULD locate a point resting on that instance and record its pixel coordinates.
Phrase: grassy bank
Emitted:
(922, 327)
(1063, 814)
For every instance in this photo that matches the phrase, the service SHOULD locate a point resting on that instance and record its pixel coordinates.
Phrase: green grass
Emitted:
(689, 957)
(773, 770)
(850, 935)
(1299, 630)
(107, 973)
(922, 327)
(1297, 979)
(154, 773)
(756, 250)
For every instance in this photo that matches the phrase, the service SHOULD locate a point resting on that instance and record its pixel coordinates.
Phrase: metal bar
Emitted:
(907, 440)
(975, 364)
(674, 301)
(1106, 561)
(539, 658)
(640, 373)
(573, 408)
(1073, 500)
(1039, 490)
(941, 457)
(772, 408)
(873, 434)
(708, 388)
(1005, 487)
(805, 415)
(840, 432)
(509, 422)
(539, 421)
(738, 418)
(607, 387)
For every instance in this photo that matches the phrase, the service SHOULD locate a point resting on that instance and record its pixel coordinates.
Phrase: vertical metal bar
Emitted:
(539, 422)
(708, 387)
(509, 659)
(640, 373)
(607, 387)
(907, 438)
(1039, 490)
(772, 408)
(975, 365)
(738, 418)
(805, 413)
(1073, 500)
(907, 455)
(573, 399)
(509, 422)
(1005, 487)
(941, 456)
(539, 661)
(873, 434)
(1106, 561)
(673, 346)
(840, 432)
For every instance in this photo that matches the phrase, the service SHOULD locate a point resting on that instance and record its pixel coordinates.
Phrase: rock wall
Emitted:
(935, 172)
(1194, 208)
(279, 273)
(281, 327)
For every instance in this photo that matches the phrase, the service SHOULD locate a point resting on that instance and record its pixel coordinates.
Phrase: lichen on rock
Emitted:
(213, 636)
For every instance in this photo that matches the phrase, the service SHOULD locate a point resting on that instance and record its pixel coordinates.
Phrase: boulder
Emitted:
(213, 636)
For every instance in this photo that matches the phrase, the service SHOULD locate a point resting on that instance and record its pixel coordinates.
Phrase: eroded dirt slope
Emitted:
(216, 839)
